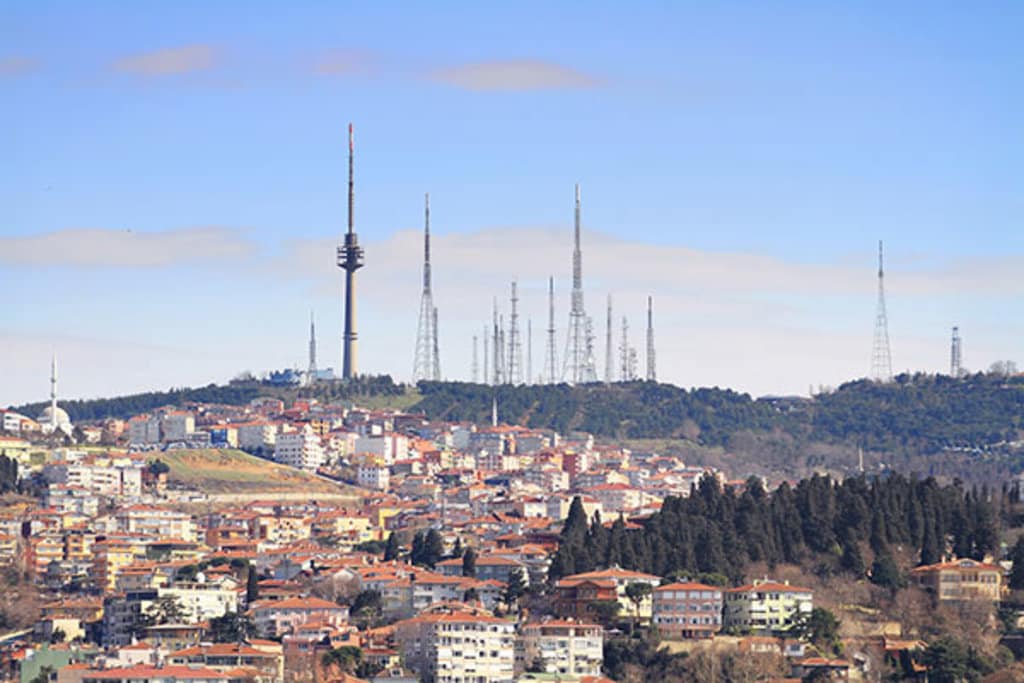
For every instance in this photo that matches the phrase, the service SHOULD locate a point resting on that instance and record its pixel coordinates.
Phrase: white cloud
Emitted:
(169, 61)
(100, 247)
(17, 66)
(514, 75)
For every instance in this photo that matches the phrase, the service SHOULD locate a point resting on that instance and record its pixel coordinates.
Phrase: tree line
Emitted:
(721, 530)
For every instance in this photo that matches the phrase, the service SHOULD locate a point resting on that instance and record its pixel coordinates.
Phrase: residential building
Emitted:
(766, 606)
(687, 610)
(961, 579)
(560, 647)
(300, 449)
(458, 647)
(275, 618)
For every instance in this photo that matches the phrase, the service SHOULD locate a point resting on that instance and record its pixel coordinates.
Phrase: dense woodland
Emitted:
(917, 412)
(720, 531)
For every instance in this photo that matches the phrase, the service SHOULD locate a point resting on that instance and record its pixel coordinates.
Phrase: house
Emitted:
(275, 618)
(687, 610)
(574, 593)
(961, 579)
(560, 647)
(766, 606)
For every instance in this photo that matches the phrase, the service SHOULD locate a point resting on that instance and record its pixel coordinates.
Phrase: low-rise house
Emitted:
(574, 594)
(687, 610)
(275, 618)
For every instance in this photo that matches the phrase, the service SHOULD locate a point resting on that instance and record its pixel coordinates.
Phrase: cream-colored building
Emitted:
(300, 449)
(766, 606)
(962, 579)
(458, 647)
(561, 647)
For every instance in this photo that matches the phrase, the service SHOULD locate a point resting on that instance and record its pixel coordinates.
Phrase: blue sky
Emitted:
(173, 181)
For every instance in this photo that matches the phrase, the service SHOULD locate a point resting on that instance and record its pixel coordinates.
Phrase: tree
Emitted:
(252, 585)
(44, 675)
(946, 659)
(158, 467)
(166, 610)
(232, 627)
(470, 595)
(605, 611)
(515, 588)
(367, 606)
(885, 573)
(1017, 571)
(345, 658)
(821, 629)
(637, 592)
(57, 636)
(469, 563)
(391, 549)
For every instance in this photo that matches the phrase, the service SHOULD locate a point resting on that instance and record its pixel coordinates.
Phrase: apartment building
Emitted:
(559, 647)
(766, 607)
(458, 647)
(687, 610)
(301, 449)
(275, 618)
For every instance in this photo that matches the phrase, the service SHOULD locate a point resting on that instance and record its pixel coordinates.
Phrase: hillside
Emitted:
(216, 471)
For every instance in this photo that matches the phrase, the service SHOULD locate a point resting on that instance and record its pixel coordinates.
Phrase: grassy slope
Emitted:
(231, 471)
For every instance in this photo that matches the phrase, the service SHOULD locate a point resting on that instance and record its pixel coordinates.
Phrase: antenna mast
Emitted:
(652, 373)
(579, 357)
(515, 346)
(475, 373)
(955, 360)
(609, 364)
(550, 354)
(426, 332)
(881, 357)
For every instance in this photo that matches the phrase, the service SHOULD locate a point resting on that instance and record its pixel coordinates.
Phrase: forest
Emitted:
(721, 530)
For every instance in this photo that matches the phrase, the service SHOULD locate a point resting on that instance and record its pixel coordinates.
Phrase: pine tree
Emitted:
(392, 549)
(1017, 571)
(469, 563)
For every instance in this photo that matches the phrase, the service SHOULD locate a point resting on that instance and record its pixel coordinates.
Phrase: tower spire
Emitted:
(881, 357)
(350, 259)
(426, 364)
(652, 373)
(312, 347)
(53, 392)
(579, 357)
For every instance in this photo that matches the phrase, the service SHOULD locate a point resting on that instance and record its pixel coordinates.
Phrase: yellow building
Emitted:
(109, 556)
(766, 606)
(962, 579)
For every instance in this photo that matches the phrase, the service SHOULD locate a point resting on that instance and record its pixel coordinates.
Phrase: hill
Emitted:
(216, 471)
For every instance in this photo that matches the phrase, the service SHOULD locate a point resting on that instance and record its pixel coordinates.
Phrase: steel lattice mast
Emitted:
(311, 373)
(423, 364)
(515, 346)
(652, 372)
(609, 363)
(550, 353)
(350, 259)
(579, 357)
(475, 372)
(881, 356)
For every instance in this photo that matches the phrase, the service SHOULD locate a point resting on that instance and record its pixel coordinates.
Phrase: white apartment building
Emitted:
(107, 477)
(458, 647)
(300, 449)
(561, 647)
(156, 522)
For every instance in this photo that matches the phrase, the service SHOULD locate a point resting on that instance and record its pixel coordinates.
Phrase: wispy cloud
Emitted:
(344, 63)
(169, 61)
(17, 66)
(514, 75)
(98, 247)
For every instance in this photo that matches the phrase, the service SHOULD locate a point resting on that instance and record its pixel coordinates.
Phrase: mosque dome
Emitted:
(63, 421)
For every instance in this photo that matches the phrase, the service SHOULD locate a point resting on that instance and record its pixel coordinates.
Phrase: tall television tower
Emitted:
(424, 366)
(579, 356)
(881, 357)
(515, 345)
(350, 259)
(955, 359)
(652, 372)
